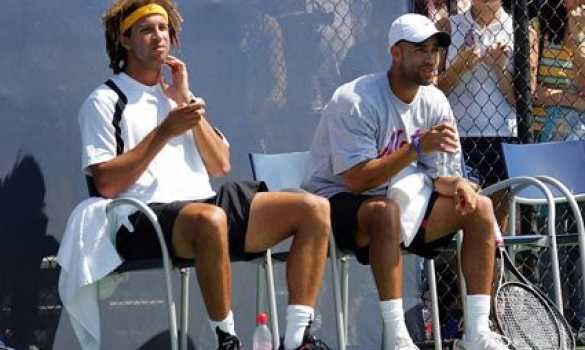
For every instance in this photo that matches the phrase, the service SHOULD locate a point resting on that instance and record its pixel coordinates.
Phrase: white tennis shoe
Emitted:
(486, 340)
(404, 344)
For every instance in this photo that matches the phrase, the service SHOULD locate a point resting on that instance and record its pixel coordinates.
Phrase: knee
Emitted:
(484, 209)
(381, 218)
(483, 220)
(208, 227)
(316, 212)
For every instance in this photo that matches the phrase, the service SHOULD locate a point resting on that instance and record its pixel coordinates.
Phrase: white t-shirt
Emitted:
(176, 173)
(365, 120)
(479, 105)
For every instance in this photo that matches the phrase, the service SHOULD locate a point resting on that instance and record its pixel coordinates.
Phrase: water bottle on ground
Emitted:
(262, 336)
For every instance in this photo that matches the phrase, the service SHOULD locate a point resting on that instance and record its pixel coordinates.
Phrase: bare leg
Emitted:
(379, 226)
(478, 239)
(275, 216)
(200, 231)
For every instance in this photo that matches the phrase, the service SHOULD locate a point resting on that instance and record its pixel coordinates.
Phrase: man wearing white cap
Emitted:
(376, 155)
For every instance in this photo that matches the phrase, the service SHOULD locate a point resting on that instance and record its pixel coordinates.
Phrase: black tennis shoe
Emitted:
(227, 341)
(310, 342)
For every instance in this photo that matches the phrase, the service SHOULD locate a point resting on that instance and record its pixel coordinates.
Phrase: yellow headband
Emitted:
(150, 9)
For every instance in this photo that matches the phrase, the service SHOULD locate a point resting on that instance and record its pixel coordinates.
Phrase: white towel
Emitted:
(411, 191)
(87, 254)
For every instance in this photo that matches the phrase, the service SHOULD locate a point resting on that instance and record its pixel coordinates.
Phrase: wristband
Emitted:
(416, 144)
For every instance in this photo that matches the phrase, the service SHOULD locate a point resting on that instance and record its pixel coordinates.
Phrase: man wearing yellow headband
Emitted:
(150, 139)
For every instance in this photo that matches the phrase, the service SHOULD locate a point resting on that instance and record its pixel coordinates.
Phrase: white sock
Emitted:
(477, 311)
(394, 325)
(297, 319)
(226, 325)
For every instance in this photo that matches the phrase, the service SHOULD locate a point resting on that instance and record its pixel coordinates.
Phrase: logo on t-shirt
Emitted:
(397, 139)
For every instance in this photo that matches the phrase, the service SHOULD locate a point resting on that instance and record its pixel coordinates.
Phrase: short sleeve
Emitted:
(352, 134)
(97, 131)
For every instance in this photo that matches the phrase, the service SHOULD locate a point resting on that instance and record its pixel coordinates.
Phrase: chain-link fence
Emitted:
(514, 73)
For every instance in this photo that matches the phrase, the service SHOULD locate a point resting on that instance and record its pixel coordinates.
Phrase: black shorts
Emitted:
(344, 221)
(234, 197)
(483, 155)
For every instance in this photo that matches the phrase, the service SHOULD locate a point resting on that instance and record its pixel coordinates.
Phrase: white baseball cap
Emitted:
(415, 28)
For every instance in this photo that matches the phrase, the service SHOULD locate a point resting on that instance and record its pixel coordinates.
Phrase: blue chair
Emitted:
(285, 172)
(561, 165)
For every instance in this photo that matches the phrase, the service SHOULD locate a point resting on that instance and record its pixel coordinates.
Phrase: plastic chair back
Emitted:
(280, 171)
(564, 161)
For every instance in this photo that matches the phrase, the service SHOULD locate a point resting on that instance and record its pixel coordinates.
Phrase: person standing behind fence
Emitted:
(559, 98)
(559, 114)
(477, 78)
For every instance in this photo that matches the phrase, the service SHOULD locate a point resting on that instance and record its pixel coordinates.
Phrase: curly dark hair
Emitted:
(113, 18)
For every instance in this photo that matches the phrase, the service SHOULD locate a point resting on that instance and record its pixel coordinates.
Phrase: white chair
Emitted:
(285, 172)
(178, 326)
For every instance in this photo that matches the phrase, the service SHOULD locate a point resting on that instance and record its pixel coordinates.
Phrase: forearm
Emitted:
(506, 85)
(375, 172)
(557, 97)
(116, 175)
(213, 150)
(448, 78)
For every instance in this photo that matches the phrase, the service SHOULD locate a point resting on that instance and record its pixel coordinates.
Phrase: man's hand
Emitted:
(465, 197)
(181, 119)
(178, 90)
(441, 137)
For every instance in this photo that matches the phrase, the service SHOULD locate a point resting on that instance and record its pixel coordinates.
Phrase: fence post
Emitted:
(522, 71)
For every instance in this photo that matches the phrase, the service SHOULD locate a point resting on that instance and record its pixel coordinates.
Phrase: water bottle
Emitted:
(262, 336)
(448, 164)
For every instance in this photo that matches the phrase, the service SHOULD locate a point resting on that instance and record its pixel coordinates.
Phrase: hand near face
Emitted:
(178, 89)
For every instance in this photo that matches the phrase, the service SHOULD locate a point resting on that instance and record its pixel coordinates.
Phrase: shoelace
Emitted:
(230, 343)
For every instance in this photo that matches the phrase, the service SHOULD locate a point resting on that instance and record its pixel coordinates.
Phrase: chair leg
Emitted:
(171, 302)
(184, 308)
(461, 277)
(434, 303)
(261, 287)
(345, 293)
(339, 317)
(272, 300)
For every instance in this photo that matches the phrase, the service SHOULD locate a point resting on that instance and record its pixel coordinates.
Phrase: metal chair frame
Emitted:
(178, 327)
(291, 181)
(558, 180)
